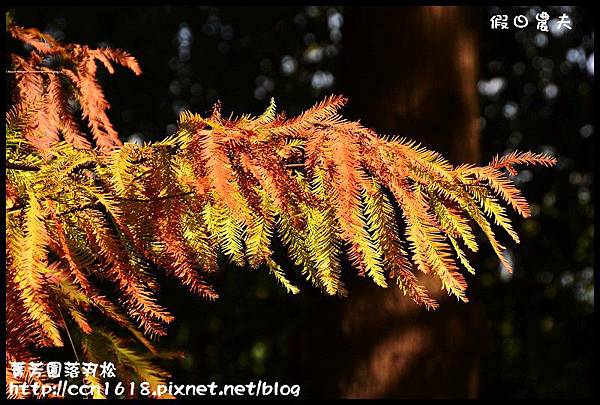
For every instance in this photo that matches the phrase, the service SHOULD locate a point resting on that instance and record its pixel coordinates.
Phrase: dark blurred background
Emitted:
(437, 74)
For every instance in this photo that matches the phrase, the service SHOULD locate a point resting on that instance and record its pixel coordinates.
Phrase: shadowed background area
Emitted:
(437, 74)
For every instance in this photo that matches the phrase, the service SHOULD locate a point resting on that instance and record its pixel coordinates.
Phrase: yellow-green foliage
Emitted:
(89, 219)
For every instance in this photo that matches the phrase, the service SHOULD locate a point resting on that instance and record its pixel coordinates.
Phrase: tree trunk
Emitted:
(409, 71)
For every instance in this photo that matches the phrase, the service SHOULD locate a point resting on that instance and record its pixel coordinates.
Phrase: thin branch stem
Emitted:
(71, 341)
(22, 167)
(166, 197)
(15, 208)
(77, 209)
(68, 334)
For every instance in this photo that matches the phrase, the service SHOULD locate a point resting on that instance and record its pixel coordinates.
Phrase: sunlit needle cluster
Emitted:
(90, 220)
